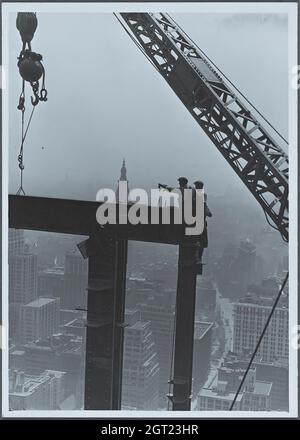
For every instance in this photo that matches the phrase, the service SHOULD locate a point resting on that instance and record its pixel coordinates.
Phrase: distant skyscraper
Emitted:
(51, 282)
(206, 300)
(15, 241)
(75, 284)
(141, 368)
(122, 178)
(39, 319)
(22, 279)
(246, 263)
(130, 250)
(160, 312)
(250, 315)
(238, 268)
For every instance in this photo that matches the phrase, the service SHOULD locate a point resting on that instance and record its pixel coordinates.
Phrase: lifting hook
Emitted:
(36, 99)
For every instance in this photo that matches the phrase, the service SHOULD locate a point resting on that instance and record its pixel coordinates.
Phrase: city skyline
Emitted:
(139, 317)
(151, 304)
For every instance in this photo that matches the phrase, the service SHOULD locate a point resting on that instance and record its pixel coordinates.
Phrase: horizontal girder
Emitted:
(78, 217)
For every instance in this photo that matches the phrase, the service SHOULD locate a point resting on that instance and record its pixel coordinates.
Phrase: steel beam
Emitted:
(78, 217)
(105, 318)
(120, 280)
(184, 329)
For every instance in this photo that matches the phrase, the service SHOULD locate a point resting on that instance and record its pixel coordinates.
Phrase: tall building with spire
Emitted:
(123, 178)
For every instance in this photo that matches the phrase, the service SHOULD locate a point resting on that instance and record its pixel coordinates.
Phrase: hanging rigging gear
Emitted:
(30, 63)
(26, 25)
(31, 70)
(30, 66)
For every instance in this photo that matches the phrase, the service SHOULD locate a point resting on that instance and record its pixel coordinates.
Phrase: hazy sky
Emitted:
(107, 102)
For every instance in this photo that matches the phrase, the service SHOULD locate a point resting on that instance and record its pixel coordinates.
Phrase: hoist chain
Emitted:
(20, 156)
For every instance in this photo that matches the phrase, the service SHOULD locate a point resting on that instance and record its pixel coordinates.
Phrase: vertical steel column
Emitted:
(121, 270)
(184, 332)
(104, 348)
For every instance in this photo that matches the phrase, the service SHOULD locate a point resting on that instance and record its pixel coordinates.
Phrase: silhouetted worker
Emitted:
(203, 238)
(183, 184)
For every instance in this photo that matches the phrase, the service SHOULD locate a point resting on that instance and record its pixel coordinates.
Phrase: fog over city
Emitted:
(110, 114)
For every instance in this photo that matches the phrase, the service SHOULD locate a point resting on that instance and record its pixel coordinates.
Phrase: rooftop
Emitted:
(18, 352)
(262, 388)
(260, 301)
(76, 322)
(40, 302)
(55, 270)
(139, 325)
(201, 328)
(60, 343)
(208, 392)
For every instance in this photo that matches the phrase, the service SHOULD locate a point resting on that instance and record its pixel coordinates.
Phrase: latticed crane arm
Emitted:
(254, 155)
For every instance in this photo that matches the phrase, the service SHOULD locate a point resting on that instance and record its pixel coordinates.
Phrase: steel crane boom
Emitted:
(256, 157)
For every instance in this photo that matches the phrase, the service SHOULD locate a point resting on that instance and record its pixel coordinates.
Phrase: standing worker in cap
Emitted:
(203, 238)
(183, 184)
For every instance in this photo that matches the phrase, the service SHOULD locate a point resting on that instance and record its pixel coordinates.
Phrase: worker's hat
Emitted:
(182, 180)
(199, 184)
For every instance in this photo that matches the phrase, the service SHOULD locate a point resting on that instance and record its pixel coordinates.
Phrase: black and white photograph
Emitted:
(149, 210)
